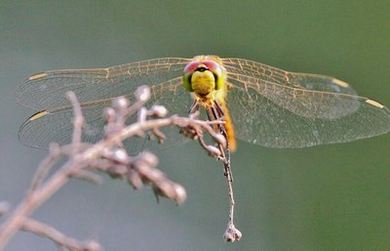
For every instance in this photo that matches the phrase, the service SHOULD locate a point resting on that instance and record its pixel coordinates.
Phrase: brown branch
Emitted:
(57, 237)
(45, 166)
(4, 207)
(107, 156)
(78, 121)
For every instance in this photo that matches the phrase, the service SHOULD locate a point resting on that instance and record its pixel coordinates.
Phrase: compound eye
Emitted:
(211, 65)
(191, 67)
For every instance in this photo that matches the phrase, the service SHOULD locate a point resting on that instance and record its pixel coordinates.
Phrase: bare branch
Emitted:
(4, 207)
(45, 166)
(110, 157)
(78, 121)
(57, 237)
(88, 176)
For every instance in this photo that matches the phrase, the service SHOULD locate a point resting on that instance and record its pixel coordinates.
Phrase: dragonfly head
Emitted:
(204, 74)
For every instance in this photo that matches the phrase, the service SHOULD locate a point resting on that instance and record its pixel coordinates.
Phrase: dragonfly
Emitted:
(260, 104)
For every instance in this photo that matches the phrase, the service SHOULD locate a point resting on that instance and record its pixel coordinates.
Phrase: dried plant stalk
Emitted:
(108, 156)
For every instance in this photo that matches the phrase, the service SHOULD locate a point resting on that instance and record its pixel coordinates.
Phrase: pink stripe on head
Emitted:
(191, 67)
(209, 64)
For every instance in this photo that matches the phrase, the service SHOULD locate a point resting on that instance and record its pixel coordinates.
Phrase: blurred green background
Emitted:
(333, 197)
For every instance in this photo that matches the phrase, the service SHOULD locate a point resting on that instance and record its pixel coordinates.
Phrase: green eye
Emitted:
(220, 80)
(187, 82)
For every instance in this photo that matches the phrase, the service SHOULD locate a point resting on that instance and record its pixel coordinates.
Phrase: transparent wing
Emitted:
(270, 106)
(272, 80)
(283, 116)
(56, 125)
(46, 90)
(281, 77)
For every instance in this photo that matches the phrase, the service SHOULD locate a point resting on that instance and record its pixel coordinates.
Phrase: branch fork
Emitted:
(108, 156)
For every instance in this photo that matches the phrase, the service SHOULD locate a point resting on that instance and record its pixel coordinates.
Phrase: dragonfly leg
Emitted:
(219, 110)
(194, 108)
(216, 113)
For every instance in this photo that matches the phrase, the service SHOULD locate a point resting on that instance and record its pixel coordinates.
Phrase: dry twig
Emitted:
(110, 157)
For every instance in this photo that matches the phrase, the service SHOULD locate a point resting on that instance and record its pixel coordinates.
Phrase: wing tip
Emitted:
(38, 115)
(36, 76)
(374, 103)
(25, 125)
(340, 83)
